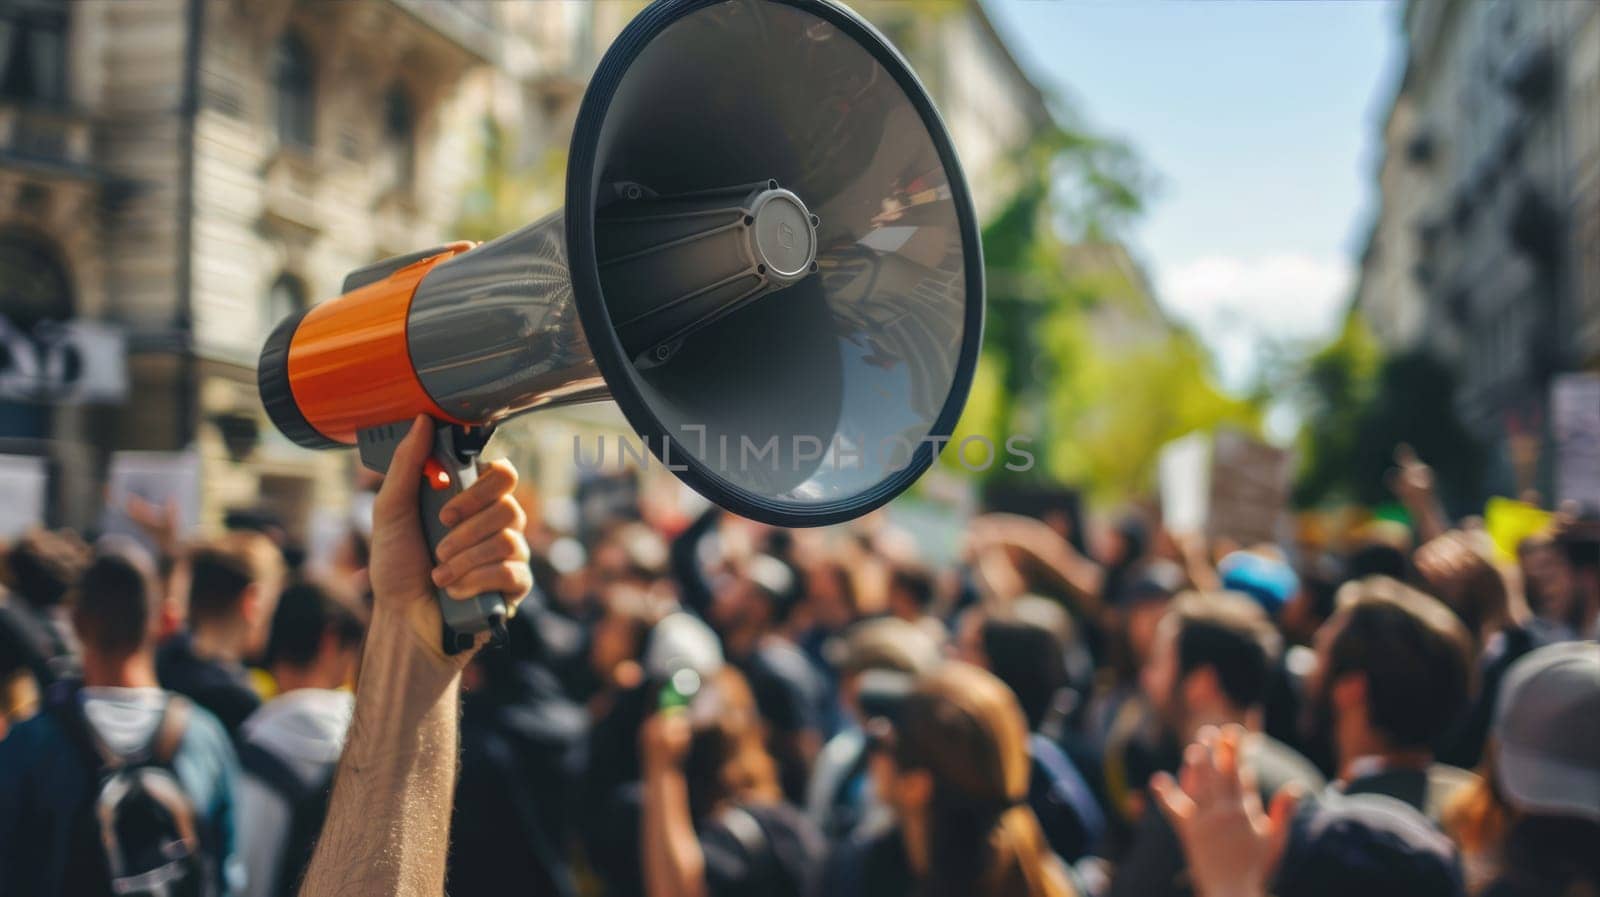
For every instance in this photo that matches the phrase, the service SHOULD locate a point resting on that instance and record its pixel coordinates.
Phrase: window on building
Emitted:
(294, 80)
(33, 51)
(33, 287)
(286, 297)
(399, 133)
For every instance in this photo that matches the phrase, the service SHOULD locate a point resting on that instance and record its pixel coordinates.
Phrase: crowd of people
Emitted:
(697, 707)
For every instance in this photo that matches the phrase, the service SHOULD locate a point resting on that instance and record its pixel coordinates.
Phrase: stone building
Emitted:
(1486, 249)
(191, 171)
(188, 172)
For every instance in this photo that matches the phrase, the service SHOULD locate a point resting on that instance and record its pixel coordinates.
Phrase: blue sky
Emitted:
(1261, 120)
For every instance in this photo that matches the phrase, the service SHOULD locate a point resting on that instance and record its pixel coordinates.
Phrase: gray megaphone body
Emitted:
(768, 258)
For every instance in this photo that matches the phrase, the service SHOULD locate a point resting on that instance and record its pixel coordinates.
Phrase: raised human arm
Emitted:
(1052, 557)
(1411, 480)
(388, 819)
(1197, 564)
(674, 864)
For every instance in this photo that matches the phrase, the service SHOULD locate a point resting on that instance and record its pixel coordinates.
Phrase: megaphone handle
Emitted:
(463, 619)
(456, 458)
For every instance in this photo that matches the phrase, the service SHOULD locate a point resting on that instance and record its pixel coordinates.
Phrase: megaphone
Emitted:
(768, 258)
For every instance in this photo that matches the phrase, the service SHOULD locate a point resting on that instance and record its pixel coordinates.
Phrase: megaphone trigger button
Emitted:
(435, 475)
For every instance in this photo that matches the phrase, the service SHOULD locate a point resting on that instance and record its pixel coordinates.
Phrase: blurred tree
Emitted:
(1097, 409)
(1360, 405)
(513, 186)
(1337, 386)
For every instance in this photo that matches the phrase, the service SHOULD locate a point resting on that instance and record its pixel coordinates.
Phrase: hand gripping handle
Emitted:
(451, 469)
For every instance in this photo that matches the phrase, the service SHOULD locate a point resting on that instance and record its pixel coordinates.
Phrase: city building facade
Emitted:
(1485, 252)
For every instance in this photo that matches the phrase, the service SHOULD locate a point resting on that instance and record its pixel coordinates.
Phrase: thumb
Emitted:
(398, 494)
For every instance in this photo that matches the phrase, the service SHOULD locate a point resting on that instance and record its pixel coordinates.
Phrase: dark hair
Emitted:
(306, 613)
(1231, 635)
(113, 606)
(917, 582)
(1552, 855)
(1028, 657)
(1414, 652)
(220, 571)
(1580, 541)
(44, 565)
(1376, 559)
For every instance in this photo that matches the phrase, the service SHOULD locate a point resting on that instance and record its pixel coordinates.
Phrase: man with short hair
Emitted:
(1208, 667)
(49, 765)
(233, 588)
(289, 747)
(1393, 674)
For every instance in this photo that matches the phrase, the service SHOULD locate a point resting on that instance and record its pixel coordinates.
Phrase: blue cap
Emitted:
(1270, 582)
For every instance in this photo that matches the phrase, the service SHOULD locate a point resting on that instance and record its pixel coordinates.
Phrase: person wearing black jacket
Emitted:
(520, 740)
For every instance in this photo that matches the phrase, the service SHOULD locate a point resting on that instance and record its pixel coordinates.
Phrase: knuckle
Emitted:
(507, 543)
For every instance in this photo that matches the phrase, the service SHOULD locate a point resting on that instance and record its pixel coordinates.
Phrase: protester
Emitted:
(1367, 845)
(1024, 645)
(714, 821)
(1531, 826)
(117, 783)
(748, 611)
(880, 658)
(40, 569)
(516, 803)
(1579, 538)
(1209, 666)
(1392, 676)
(288, 748)
(233, 589)
(1119, 726)
(953, 767)
(1459, 570)
(669, 658)
(1547, 584)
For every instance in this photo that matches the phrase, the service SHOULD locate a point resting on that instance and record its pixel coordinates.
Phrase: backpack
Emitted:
(308, 808)
(138, 833)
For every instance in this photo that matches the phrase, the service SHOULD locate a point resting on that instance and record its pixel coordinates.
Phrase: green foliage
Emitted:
(1098, 414)
(1339, 382)
(509, 193)
(1123, 407)
(1360, 405)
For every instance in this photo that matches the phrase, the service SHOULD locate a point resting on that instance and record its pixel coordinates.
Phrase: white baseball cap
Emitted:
(1547, 723)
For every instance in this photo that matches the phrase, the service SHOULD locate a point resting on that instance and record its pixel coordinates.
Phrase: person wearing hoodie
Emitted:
(289, 747)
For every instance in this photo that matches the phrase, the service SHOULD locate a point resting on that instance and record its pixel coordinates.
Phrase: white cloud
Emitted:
(1237, 303)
